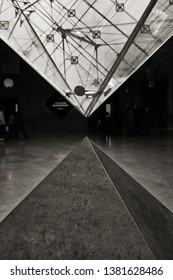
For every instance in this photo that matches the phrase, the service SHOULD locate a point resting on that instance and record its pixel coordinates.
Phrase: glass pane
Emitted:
(74, 44)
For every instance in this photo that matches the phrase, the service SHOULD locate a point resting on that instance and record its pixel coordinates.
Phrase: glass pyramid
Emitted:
(86, 49)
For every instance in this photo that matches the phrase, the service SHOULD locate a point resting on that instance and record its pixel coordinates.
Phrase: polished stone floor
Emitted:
(24, 163)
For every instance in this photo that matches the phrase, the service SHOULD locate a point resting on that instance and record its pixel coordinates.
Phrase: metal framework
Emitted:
(122, 54)
(95, 44)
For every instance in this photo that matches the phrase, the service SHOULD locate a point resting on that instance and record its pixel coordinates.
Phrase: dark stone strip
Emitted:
(153, 219)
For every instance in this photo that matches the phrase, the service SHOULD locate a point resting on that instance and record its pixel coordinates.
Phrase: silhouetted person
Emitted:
(11, 122)
(118, 122)
(2, 124)
(107, 125)
(147, 121)
(130, 121)
(138, 114)
(19, 124)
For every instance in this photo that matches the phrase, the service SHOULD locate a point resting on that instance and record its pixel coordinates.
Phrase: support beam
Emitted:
(122, 54)
(29, 6)
(64, 58)
(112, 24)
(69, 32)
(33, 30)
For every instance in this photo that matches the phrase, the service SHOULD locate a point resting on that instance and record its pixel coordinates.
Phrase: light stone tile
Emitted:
(4, 207)
(3, 214)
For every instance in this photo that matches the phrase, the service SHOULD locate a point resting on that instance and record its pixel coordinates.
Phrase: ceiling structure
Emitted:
(86, 48)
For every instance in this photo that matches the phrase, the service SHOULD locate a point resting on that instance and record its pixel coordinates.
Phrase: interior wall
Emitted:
(32, 92)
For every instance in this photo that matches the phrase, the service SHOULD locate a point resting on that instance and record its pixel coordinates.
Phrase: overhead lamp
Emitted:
(8, 83)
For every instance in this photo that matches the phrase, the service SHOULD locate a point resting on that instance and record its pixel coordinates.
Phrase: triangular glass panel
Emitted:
(93, 44)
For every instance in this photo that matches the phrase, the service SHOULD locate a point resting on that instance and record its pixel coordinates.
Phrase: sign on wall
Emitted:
(58, 105)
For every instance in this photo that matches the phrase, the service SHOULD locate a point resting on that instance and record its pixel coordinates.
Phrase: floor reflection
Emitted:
(23, 164)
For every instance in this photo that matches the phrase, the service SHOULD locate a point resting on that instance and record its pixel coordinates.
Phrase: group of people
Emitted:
(11, 126)
(130, 121)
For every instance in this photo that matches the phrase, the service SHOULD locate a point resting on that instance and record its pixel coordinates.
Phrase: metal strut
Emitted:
(121, 55)
(33, 30)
